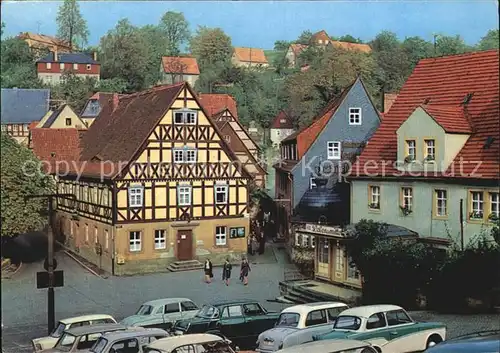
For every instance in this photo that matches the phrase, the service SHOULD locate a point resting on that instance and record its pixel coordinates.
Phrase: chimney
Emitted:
(95, 56)
(55, 54)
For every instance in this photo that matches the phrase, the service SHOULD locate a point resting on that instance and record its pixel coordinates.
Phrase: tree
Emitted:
(176, 30)
(281, 45)
(210, 45)
(490, 41)
(21, 176)
(71, 27)
(416, 49)
(115, 85)
(304, 38)
(125, 55)
(156, 43)
(450, 45)
(74, 90)
(17, 62)
(349, 39)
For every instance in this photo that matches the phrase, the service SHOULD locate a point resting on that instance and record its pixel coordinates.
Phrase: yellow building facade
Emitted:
(181, 196)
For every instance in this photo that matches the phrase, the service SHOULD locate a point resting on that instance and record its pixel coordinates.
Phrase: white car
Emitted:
(50, 341)
(388, 328)
(191, 343)
(336, 346)
(298, 324)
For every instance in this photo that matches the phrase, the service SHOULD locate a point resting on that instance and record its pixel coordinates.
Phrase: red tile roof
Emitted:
(321, 35)
(364, 48)
(254, 55)
(180, 65)
(297, 48)
(445, 81)
(282, 121)
(56, 144)
(451, 118)
(215, 103)
(307, 135)
(33, 125)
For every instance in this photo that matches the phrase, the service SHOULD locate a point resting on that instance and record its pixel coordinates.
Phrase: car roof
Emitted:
(84, 330)
(166, 301)
(232, 302)
(473, 343)
(369, 310)
(306, 308)
(129, 333)
(337, 344)
(170, 343)
(72, 320)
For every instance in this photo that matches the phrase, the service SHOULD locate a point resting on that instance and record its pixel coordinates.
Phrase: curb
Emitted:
(82, 264)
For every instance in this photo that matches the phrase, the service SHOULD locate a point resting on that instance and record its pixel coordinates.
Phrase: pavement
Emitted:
(24, 308)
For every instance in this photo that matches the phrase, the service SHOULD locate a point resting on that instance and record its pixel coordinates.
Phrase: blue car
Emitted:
(479, 342)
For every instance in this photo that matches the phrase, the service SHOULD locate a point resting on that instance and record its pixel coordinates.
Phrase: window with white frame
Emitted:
(96, 237)
(282, 121)
(312, 183)
(89, 67)
(187, 117)
(374, 197)
(184, 195)
(305, 240)
(407, 198)
(184, 155)
(441, 203)
(87, 233)
(477, 205)
(411, 149)
(178, 156)
(220, 236)
(61, 66)
(190, 156)
(339, 259)
(160, 239)
(354, 116)
(106, 239)
(334, 150)
(75, 66)
(494, 205)
(430, 150)
(135, 196)
(324, 251)
(135, 241)
(221, 192)
(48, 65)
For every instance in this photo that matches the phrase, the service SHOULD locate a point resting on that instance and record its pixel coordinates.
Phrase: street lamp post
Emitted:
(50, 255)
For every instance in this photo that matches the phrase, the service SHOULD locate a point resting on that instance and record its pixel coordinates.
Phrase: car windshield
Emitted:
(58, 331)
(144, 310)
(65, 342)
(99, 345)
(288, 320)
(207, 311)
(345, 322)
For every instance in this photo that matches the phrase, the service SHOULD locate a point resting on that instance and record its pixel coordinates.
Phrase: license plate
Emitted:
(268, 343)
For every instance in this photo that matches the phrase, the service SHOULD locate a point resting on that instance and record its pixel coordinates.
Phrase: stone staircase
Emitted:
(187, 265)
(302, 292)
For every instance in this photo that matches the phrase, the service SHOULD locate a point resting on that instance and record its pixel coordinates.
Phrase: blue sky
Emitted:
(261, 23)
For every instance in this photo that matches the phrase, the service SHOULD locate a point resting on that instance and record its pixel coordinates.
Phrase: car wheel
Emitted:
(433, 340)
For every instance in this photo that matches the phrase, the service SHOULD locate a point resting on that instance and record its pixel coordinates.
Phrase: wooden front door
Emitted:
(184, 245)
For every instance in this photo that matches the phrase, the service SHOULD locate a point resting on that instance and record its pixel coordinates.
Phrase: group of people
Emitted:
(226, 271)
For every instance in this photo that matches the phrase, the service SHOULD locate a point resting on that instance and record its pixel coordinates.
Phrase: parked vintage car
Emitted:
(81, 339)
(298, 324)
(65, 324)
(387, 327)
(240, 321)
(127, 341)
(195, 343)
(334, 346)
(478, 342)
(162, 313)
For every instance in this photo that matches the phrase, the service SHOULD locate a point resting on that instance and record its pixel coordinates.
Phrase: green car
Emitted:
(239, 321)
(388, 328)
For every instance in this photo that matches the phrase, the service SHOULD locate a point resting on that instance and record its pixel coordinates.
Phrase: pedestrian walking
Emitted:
(226, 272)
(245, 268)
(255, 245)
(208, 268)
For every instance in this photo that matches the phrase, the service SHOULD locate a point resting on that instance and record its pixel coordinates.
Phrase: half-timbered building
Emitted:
(156, 183)
(222, 111)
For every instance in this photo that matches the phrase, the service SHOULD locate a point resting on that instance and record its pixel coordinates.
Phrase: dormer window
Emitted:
(282, 121)
(411, 151)
(312, 183)
(354, 116)
(430, 150)
(185, 117)
(333, 150)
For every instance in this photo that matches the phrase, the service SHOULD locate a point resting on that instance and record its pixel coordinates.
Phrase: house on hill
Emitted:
(281, 127)
(20, 109)
(157, 186)
(249, 57)
(176, 69)
(62, 118)
(41, 42)
(313, 196)
(221, 108)
(51, 67)
(433, 166)
(293, 53)
(51, 145)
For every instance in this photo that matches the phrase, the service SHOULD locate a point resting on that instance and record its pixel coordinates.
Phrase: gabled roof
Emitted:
(55, 114)
(446, 81)
(56, 144)
(321, 35)
(22, 106)
(452, 119)
(297, 48)
(364, 48)
(216, 103)
(180, 65)
(68, 58)
(46, 41)
(306, 136)
(95, 103)
(254, 55)
(282, 121)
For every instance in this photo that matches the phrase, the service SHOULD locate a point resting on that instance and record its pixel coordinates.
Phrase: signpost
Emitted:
(50, 278)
